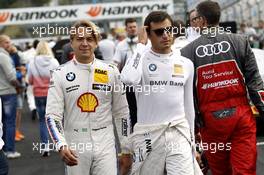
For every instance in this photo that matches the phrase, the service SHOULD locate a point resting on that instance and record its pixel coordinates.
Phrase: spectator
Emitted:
(30, 55)
(193, 32)
(8, 83)
(3, 161)
(39, 78)
(261, 34)
(20, 72)
(107, 47)
(67, 53)
(124, 50)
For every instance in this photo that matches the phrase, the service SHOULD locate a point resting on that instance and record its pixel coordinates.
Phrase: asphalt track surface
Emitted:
(31, 163)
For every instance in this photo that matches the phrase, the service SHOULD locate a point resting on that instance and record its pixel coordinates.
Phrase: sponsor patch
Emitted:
(101, 87)
(70, 76)
(101, 76)
(152, 67)
(124, 127)
(58, 126)
(72, 88)
(224, 113)
(177, 70)
(136, 61)
(87, 102)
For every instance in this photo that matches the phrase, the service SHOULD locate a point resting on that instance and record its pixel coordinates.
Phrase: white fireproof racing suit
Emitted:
(162, 138)
(81, 108)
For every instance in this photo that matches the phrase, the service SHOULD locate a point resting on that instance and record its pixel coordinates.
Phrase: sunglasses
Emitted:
(194, 18)
(161, 31)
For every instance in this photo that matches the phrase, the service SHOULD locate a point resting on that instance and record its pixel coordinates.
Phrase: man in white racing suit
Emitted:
(82, 105)
(162, 141)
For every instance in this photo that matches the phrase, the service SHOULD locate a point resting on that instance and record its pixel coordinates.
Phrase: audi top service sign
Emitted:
(87, 11)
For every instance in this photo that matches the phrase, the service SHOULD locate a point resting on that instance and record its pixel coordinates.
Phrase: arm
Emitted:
(120, 113)
(54, 117)
(8, 68)
(188, 98)
(132, 71)
(117, 57)
(55, 109)
(253, 80)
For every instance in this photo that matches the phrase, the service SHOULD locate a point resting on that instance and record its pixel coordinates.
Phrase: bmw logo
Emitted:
(70, 76)
(152, 67)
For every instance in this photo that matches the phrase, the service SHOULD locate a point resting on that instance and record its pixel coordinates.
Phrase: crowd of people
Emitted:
(153, 102)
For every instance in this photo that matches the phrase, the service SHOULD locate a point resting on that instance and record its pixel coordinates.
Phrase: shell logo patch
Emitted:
(87, 102)
(100, 76)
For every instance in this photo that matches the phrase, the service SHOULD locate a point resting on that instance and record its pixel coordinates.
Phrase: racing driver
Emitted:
(226, 74)
(80, 106)
(162, 139)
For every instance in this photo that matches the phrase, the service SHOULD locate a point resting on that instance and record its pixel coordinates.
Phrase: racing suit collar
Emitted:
(159, 55)
(88, 66)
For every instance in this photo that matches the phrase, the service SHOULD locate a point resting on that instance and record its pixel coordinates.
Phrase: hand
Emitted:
(125, 162)
(142, 35)
(68, 156)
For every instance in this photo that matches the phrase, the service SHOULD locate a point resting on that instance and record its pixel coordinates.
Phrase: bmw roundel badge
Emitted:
(152, 67)
(70, 76)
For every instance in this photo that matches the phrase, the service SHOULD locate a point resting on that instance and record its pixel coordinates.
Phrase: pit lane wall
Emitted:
(92, 12)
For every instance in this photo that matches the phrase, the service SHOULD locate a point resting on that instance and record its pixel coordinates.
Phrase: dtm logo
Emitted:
(70, 76)
(152, 67)
(212, 49)
(94, 11)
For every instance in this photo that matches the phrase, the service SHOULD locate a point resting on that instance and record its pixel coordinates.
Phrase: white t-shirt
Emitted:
(259, 54)
(1, 127)
(107, 47)
(124, 51)
(166, 82)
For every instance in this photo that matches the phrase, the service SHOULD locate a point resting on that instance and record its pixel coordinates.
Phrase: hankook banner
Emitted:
(84, 11)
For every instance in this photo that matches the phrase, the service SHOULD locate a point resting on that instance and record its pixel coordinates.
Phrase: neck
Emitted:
(85, 60)
(164, 51)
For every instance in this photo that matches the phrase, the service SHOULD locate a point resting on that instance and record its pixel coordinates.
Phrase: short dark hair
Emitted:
(130, 20)
(179, 28)
(156, 17)
(210, 10)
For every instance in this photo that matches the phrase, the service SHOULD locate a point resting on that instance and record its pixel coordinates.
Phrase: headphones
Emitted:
(132, 40)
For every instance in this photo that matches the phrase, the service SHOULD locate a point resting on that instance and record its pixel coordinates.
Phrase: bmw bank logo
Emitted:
(152, 67)
(70, 76)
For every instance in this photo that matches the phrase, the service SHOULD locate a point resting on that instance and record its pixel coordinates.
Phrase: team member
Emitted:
(124, 50)
(81, 95)
(226, 71)
(162, 140)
